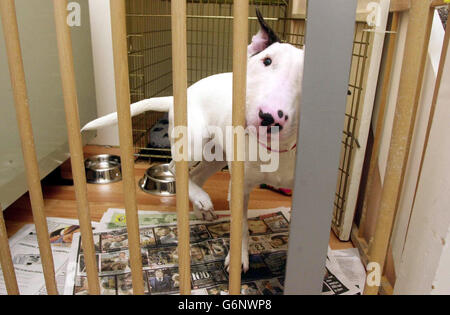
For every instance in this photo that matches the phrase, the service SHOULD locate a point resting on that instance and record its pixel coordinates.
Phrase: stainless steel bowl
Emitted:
(103, 169)
(159, 181)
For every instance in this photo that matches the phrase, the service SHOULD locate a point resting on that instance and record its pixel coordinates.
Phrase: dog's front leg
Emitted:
(245, 236)
(202, 204)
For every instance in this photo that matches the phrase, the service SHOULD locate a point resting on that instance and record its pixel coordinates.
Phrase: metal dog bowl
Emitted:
(103, 169)
(159, 181)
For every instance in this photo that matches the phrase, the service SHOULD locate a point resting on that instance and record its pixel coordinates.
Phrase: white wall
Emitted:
(441, 284)
(103, 68)
(40, 57)
(424, 262)
(412, 170)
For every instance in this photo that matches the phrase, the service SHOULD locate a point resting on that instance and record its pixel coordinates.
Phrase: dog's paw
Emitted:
(205, 215)
(245, 262)
(203, 207)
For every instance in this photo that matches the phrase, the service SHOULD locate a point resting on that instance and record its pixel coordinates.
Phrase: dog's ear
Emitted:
(264, 38)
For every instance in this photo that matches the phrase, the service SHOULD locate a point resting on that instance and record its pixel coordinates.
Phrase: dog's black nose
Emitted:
(267, 119)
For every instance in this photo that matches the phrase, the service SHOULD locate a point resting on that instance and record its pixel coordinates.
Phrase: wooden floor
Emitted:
(60, 200)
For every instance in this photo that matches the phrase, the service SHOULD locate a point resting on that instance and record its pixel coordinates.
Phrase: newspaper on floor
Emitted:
(115, 218)
(335, 281)
(209, 247)
(349, 261)
(346, 262)
(27, 260)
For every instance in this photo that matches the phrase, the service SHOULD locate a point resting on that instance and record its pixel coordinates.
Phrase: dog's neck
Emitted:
(284, 146)
(294, 146)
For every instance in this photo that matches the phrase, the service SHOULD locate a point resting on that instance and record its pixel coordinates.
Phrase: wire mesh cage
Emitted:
(150, 66)
(361, 46)
(209, 27)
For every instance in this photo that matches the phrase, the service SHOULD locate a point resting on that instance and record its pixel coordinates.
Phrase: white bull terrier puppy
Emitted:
(274, 81)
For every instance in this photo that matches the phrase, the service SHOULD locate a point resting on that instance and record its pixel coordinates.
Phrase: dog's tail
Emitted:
(157, 104)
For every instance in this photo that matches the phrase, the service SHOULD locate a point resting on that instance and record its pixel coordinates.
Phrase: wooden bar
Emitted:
(361, 244)
(400, 5)
(240, 42)
(6, 261)
(417, 39)
(179, 62)
(75, 143)
(17, 73)
(380, 122)
(405, 5)
(119, 38)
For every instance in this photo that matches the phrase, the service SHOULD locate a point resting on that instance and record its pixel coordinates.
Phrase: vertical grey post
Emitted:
(329, 40)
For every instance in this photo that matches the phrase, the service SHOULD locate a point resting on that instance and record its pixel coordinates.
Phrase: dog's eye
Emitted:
(267, 61)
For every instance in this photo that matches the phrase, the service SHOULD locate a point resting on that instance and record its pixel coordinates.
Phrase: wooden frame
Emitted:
(379, 127)
(312, 274)
(384, 227)
(419, 28)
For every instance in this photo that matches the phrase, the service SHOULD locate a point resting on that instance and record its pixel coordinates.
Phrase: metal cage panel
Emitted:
(361, 45)
(150, 60)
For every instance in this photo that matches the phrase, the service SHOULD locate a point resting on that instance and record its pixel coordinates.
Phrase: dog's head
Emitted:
(274, 82)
